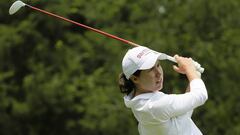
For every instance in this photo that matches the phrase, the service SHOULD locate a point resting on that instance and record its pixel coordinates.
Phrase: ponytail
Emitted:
(126, 85)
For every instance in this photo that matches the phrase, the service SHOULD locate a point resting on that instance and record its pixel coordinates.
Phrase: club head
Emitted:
(16, 6)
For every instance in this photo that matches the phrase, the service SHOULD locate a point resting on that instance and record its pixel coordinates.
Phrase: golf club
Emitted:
(18, 4)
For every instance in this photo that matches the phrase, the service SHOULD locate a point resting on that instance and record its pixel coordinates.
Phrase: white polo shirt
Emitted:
(168, 114)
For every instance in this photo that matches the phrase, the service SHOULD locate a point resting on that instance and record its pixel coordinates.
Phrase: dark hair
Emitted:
(126, 85)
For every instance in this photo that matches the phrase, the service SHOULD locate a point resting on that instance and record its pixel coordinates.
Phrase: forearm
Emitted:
(192, 74)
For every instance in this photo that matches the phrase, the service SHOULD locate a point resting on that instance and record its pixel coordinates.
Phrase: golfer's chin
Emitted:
(158, 87)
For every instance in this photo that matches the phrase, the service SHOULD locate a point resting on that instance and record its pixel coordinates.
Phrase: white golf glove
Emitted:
(199, 74)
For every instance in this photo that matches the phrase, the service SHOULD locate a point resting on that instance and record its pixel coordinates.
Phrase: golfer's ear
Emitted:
(134, 79)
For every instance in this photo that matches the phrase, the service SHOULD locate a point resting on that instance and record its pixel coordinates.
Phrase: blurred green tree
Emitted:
(57, 78)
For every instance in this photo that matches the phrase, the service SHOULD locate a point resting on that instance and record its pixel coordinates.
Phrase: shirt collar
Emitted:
(141, 96)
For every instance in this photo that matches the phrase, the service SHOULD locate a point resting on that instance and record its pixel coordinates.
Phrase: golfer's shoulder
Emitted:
(158, 95)
(158, 98)
(150, 98)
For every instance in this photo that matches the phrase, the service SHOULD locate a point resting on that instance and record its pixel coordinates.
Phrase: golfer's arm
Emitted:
(176, 105)
(191, 111)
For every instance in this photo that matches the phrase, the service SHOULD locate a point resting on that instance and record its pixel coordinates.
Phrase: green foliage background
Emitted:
(60, 79)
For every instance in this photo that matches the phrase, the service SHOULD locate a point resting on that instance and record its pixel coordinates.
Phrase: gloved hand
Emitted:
(199, 74)
(164, 56)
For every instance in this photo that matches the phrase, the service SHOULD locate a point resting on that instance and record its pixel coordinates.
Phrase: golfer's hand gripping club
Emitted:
(170, 58)
(196, 64)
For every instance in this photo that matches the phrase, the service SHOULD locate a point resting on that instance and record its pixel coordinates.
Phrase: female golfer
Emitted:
(158, 113)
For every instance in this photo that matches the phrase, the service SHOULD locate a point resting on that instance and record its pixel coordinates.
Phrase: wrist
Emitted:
(192, 74)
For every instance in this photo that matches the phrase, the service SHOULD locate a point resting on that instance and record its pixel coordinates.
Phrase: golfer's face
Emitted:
(151, 79)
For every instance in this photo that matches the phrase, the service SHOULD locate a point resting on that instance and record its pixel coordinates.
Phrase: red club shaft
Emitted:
(84, 26)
